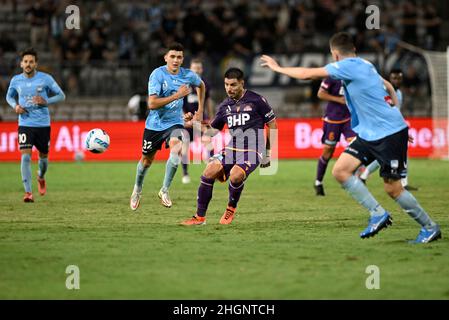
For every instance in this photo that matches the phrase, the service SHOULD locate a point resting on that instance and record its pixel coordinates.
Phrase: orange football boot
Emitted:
(41, 186)
(194, 221)
(228, 215)
(28, 197)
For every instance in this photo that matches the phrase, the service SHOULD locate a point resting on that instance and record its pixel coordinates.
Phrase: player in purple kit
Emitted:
(336, 121)
(191, 105)
(246, 113)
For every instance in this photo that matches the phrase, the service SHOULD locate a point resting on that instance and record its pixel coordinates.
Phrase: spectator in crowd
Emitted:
(432, 23)
(411, 85)
(7, 43)
(38, 16)
(409, 22)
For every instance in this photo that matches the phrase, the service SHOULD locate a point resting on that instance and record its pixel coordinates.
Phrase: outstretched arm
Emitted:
(294, 72)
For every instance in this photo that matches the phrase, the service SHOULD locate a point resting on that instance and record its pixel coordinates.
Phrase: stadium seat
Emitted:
(116, 112)
(81, 113)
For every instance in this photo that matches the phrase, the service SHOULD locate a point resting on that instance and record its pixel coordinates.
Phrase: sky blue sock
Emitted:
(170, 170)
(410, 205)
(25, 168)
(361, 194)
(140, 175)
(43, 165)
(373, 166)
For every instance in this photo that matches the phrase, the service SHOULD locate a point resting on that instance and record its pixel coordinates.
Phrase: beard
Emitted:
(29, 70)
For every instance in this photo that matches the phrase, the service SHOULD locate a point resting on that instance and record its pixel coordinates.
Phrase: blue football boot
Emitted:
(375, 224)
(428, 235)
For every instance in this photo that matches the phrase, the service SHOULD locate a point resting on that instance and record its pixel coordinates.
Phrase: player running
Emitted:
(246, 113)
(29, 94)
(167, 87)
(382, 135)
(336, 121)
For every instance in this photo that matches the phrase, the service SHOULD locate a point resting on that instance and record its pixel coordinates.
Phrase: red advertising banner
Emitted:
(298, 139)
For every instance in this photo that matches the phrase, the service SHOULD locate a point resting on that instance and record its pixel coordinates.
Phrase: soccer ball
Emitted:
(97, 141)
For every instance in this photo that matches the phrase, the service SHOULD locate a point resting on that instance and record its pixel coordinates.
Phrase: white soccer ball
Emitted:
(97, 141)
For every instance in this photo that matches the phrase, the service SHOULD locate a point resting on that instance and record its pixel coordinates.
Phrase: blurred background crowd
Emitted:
(119, 42)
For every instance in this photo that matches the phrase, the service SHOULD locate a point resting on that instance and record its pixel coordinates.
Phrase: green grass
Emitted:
(284, 244)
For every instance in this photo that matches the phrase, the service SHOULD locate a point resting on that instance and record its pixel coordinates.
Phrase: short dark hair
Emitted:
(196, 60)
(234, 73)
(343, 42)
(176, 46)
(395, 71)
(28, 51)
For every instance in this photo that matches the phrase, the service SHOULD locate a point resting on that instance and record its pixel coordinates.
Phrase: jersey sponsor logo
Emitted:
(237, 119)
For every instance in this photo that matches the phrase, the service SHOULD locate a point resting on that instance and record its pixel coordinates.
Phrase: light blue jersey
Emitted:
(22, 90)
(372, 118)
(163, 84)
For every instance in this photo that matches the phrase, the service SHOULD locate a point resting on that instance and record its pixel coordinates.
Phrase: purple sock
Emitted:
(321, 169)
(204, 195)
(234, 194)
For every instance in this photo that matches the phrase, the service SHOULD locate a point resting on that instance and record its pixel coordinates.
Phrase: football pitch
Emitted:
(285, 243)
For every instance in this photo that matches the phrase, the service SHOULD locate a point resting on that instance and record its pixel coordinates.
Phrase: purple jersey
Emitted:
(191, 101)
(246, 119)
(335, 111)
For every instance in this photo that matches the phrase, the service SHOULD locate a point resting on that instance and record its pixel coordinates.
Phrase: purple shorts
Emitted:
(333, 131)
(245, 160)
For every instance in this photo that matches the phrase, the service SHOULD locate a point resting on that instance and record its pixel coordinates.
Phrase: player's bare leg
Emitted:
(170, 170)
(213, 171)
(142, 168)
(236, 183)
(25, 168)
(43, 165)
(323, 161)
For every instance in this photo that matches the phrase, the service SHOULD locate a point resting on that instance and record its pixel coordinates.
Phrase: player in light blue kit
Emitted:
(382, 135)
(29, 94)
(167, 87)
(395, 78)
